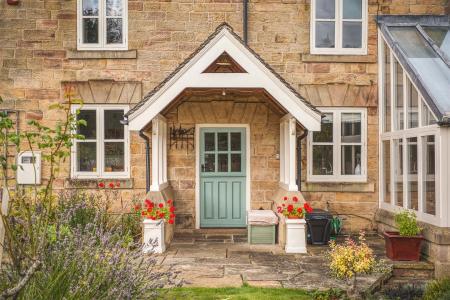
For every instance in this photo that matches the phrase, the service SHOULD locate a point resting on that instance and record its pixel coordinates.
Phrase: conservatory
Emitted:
(414, 109)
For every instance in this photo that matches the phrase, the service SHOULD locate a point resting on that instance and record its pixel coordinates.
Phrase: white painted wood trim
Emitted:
(197, 166)
(288, 142)
(159, 154)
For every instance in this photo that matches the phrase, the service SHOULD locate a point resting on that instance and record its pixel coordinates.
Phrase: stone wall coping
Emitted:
(126, 54)
(339, 58)
(432, 233)
(353, 187)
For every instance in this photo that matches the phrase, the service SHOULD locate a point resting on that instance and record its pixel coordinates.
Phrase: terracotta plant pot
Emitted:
(402, 247)
(293, 217)
(12, 2)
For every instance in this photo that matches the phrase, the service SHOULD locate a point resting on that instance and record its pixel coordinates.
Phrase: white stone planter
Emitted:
(154, 241)
(295, 235)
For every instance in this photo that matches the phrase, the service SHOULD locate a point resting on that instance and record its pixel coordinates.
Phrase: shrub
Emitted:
(404, 291)
(407, 223)
(438, 289)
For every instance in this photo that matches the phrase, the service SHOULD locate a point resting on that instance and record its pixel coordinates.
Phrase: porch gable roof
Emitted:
(190, 74)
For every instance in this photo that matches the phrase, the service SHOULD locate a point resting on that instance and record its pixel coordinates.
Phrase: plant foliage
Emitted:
(407, 223)
(438, 289)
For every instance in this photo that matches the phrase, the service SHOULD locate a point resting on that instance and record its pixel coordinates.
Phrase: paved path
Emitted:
(224, 263)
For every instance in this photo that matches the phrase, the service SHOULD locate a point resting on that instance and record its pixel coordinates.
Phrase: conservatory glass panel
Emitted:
(427, 116)
(429, 178)
(398, 106)
(387, 170)
(413, 106)
(413, 185)
(429, 68)
(398, 172)
(387, 88)
(441, 36)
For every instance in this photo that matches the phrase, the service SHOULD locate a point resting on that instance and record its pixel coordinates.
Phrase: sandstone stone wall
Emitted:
(38, 53)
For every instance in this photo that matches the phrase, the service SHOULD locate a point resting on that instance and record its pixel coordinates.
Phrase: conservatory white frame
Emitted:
(442, 146)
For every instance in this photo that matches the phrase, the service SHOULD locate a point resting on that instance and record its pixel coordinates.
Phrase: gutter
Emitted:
(245, 21)
(299, 158)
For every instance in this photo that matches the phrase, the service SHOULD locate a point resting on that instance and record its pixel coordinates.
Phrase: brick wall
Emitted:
(38, 52)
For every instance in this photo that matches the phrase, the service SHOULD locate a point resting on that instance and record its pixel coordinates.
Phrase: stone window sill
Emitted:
(354, 187)
(74, 183)
(339, 58)
(101, 54)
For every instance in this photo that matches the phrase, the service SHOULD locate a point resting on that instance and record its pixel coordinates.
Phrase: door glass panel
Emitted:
(86, 156)
(113, 128)
(210, 143)
(235, 138)
(322, 159)
(326, 133)
(235, 162)
(413, 185)
(210, 163)
(114, 157)
(222, 141)
(351, 160)
(351, 128)
(89, 131)
(222, 162)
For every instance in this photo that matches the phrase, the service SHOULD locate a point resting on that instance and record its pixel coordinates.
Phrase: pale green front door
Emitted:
(222, 177)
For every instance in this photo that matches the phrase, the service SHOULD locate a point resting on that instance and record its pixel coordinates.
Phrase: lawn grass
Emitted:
(242, 293)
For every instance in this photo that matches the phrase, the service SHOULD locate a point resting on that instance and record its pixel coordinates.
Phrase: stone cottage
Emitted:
(227, 106)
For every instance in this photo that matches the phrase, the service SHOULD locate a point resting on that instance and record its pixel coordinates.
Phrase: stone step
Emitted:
(413, 269)
(213, 235)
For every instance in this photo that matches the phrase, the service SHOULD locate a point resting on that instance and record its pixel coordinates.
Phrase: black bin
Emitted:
(319, 226)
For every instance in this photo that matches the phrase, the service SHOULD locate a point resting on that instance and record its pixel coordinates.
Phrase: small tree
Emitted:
(350, 259)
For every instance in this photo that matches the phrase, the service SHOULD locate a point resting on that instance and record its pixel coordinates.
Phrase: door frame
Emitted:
(197, 165)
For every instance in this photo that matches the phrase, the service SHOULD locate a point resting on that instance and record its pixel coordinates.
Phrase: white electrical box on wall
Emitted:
(29, 167)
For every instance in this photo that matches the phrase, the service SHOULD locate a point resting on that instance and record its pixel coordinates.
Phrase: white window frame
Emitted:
(100, 140)
(102, 45)
(420, 132)
(337, 176)
(338, 49)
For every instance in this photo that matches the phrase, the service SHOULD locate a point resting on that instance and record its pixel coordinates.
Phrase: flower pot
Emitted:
(295, 236)
(402, 247)
(12, 2)
(293, 217)
(154, 240)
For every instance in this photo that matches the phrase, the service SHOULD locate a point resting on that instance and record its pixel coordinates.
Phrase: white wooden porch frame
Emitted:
(197, 165)
(288, 142)
(159, 154)
(258, 76)
(442, 148)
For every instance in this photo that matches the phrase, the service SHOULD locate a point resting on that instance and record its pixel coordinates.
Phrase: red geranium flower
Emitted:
(172, 209)
(279, 209)
(285, 198)
(143, 213)
(290, 208)
(299, 210)
(161, 215)
(295, 199)
(160, 205)
(111, 185)
(150, 209)
(307, 207)
(171, 221)
(153, 218)
(137, 207)
(148, 203)
(101, 185)
(170, 201)
(172, 216)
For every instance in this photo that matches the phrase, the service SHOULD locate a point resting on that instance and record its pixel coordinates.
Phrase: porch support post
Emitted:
(288, 143)
(159, 153)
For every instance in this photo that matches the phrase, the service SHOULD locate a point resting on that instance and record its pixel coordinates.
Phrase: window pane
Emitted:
(235, 162)
(441, 36)
(429, 180)
(235, 141)
(222, 141)
(352, 35)
(325, 34)
(113, 7)
(387, 88)
(90, 7)
(413, 107)
(351, 160)
(222, 162)
(413, 185)
(210, 163)
(210, 143)
(399, 114)
(86, 157)
(398, 172)
(325, 9)
(114, 157)
(322, 159)
(90, 31)
(427, 116)
(351, 128)
(114, 31)
(325, 135)
(387, 171)
(113, 128)
(352, 9)
(89, 131)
